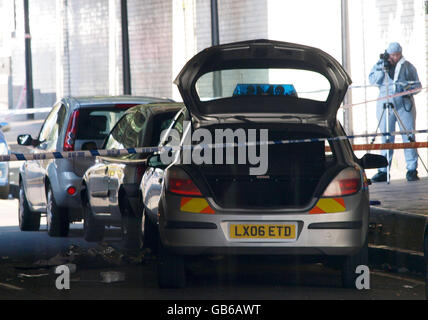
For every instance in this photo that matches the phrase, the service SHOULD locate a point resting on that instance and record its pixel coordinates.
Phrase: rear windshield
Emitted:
(96, 123)
(263, 82)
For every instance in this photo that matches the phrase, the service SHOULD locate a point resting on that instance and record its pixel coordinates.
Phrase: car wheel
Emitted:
(28, 220)
(171, 271)
(131, 226)
(57, 218)
(150, 234)
(4, 192)
(93, 230)
(350, 264)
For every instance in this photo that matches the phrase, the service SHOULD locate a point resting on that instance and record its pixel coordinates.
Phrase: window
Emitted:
(161, 122)
(276, 82)
(52, 127)
(96, 123)
(128, 133)
(178, 127)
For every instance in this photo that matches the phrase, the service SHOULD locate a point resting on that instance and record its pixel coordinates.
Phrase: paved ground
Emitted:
(24, 276)
(401, 195)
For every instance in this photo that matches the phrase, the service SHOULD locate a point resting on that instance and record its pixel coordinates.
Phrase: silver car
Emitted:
(312, 199)
(4, 166)
(109, 189)
(52, 187)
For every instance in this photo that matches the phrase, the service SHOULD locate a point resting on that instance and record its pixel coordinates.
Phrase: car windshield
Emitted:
(275, 82)
(127, 133)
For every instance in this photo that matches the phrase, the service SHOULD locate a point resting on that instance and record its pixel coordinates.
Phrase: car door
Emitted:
(153, 179)
(36, 170)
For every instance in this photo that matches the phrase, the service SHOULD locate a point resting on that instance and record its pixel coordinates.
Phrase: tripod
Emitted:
(389, 106)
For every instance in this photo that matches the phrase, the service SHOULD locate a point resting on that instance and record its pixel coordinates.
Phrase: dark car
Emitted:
(307, 196)
(52, 187)
(110, 189)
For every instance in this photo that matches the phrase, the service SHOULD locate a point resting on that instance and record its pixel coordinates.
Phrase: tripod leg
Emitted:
(378, 125)
(409, 136)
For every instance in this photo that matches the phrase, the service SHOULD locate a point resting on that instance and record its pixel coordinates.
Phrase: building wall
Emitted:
(307, 22)
(87, 55)
(150, 36)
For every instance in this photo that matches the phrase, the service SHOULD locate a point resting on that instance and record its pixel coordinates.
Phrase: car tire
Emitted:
(93, 230)
(57, 218)
(171, 271)
(131, 226)
(28, 220)
(350, 264)
(150, 234)
(4, 192)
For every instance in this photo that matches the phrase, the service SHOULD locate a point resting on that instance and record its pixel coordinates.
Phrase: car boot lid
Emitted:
(251, 100)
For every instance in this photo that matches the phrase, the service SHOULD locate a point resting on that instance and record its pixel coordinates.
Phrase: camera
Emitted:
(385, 57)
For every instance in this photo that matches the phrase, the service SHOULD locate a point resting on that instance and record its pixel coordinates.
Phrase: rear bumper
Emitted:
(62, 198)
(341, 233)
(310, 242)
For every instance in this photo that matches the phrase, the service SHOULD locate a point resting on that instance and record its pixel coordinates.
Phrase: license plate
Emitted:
(263, 231)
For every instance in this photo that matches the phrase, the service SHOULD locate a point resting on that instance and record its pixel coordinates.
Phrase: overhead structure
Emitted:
(215, 41)
(347, 113)
(28, 61)
(125, 48)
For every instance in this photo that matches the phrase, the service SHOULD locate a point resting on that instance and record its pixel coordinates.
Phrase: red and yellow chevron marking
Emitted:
(195, 205)
(329, 205)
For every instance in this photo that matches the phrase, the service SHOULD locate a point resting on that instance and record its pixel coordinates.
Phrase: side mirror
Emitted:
(25, 140)
(90, 145)
(154, 161)
(373, 161)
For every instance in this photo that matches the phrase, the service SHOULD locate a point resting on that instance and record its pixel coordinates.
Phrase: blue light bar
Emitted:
(244, 89)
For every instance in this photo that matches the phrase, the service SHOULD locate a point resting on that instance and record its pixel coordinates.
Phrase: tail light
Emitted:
(71, 190)
(179, 182)
(70, 134)
(347, 182)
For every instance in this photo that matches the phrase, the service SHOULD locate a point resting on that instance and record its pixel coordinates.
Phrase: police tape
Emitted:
(48, 109)
(76, 154)
(14, 112)
(147, 150)
(400, 94)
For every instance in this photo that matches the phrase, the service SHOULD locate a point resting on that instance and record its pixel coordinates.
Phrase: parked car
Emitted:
(313, 199)
(4, 166)
(52, 187)
(110, 187)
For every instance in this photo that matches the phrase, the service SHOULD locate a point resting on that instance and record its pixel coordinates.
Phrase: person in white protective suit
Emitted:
(402, 76)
